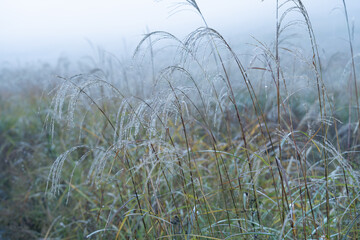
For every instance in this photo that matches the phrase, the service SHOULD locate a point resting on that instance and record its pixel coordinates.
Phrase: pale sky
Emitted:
(46, 29)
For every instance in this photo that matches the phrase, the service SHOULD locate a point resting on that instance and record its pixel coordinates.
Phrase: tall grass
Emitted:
(208, 147)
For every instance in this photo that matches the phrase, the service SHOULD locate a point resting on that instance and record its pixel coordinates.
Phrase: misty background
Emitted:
(40, 30)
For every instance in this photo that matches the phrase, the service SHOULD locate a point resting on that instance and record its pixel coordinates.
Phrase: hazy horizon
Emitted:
(44, 31)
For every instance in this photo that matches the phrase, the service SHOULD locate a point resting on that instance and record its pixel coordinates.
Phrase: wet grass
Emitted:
(206, 147)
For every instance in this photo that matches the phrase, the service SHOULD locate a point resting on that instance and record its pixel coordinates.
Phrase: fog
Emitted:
(41, 30)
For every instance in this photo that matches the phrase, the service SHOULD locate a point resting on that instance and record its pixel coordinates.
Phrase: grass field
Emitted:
(189, 139)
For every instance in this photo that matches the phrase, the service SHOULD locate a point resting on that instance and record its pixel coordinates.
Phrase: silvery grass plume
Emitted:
(136, 120)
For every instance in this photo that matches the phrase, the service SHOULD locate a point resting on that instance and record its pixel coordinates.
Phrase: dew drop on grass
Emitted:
(266, 91)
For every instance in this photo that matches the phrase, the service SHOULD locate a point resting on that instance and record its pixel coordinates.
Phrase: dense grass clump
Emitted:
(205, 147)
